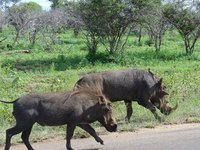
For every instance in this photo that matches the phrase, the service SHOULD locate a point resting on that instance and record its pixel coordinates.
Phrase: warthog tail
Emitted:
(8, 102)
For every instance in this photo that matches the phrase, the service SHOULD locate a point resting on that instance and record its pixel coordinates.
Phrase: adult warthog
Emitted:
(131, 85)
(76, 108)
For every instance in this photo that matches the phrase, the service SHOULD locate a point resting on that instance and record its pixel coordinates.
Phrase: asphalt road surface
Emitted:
(170, 137)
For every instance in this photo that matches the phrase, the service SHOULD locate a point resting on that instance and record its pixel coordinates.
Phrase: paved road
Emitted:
(176, 137)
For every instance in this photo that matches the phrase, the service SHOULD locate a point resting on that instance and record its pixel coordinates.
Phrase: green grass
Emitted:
(59, 69)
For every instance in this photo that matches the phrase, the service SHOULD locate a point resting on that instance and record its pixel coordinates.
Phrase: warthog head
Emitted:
(159, 100)
(106, 118)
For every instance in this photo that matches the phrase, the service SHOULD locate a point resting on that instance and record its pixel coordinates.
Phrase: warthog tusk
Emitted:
(175, 107)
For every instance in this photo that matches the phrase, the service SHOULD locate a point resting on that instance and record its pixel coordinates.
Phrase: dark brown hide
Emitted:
(130, 85)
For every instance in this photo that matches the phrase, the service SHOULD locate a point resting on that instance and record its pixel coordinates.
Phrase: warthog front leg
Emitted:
(152, 108)
(91, 131)
(70, 132)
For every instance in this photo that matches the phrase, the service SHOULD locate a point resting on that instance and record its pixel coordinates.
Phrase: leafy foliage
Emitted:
(186, 21)
(106, 22)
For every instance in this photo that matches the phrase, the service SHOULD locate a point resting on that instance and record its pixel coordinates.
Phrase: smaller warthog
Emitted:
(77, 108)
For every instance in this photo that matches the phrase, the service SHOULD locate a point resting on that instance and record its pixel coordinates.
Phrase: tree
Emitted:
(19, 16)
(2, 23)
(89, 12)
(2, 20)
(50, 23)
(116, 25)
(186, 19)
(149, 16)
(156, 25)
(106, 21)
(68, 6)
(143, 11)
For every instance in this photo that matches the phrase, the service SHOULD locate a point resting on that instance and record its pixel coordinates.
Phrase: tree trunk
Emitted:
(33, 38)
(140, 35)
(112, 47)
(16, 37)
(157, 43)
(187, 45)
(92, 45)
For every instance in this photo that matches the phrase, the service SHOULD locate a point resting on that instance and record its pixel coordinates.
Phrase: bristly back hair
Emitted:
(94, 88)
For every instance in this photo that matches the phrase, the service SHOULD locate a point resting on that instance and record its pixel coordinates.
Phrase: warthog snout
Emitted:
(110, 125)
(112, 128)
(113, 125)
(166, 110)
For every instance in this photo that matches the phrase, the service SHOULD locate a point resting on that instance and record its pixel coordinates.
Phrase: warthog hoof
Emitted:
(100, 141)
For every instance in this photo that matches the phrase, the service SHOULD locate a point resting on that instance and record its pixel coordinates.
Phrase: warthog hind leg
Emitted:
(9, 133)
(129, 110)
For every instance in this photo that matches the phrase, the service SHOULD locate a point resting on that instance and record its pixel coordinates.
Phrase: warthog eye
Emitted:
(110, 105)
(106, 109)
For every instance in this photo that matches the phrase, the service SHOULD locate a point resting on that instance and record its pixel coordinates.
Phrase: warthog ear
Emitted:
(150, 72)
(159, 83)
(102, 100)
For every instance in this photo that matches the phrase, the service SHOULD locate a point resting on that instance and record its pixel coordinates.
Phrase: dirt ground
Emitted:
(181, 137)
